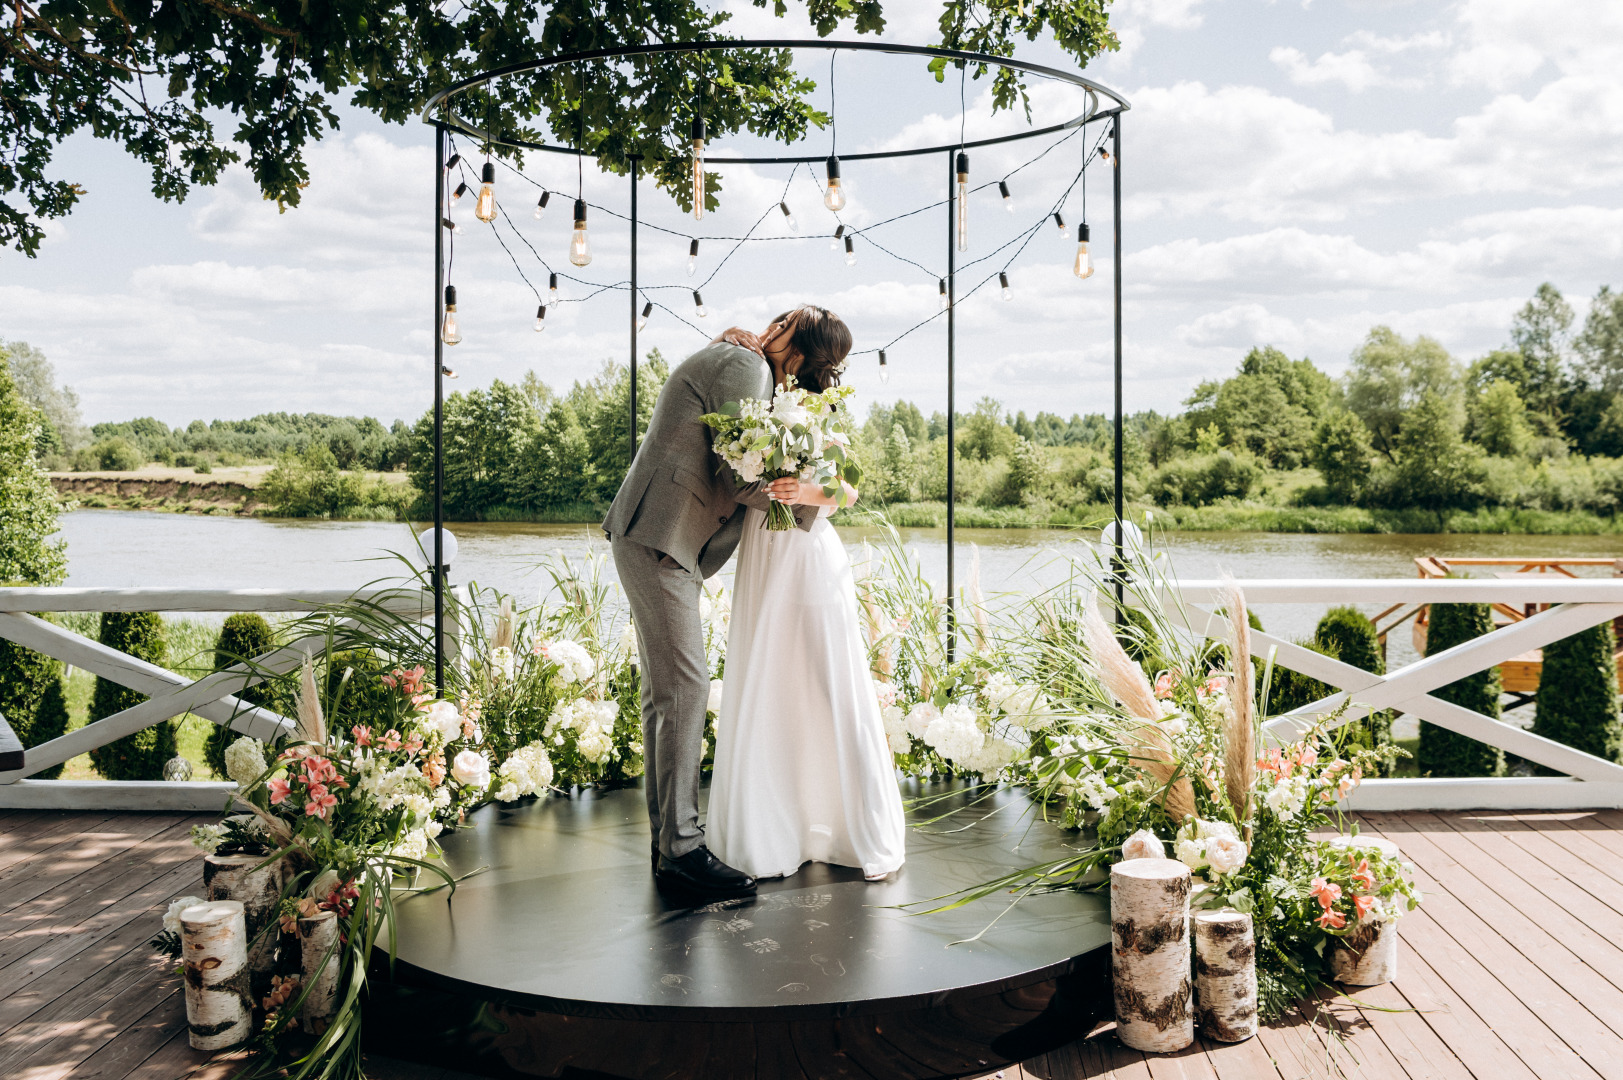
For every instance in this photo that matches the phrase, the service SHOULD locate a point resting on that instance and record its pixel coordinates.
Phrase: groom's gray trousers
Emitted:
(664, 599)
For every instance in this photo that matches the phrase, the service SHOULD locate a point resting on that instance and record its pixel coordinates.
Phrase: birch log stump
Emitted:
(1368, 956)
(214, 952)
(1226, 975)
(235, 877)
(1149, 918)
(319, 954)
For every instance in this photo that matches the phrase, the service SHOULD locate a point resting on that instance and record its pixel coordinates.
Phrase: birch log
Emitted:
(1368, 955)
(319, 954)
(1149, 918)
(1226, 975)
(214, 952)
(259, 890)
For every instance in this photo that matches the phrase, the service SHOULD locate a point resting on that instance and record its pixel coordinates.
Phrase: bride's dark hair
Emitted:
(823, 339)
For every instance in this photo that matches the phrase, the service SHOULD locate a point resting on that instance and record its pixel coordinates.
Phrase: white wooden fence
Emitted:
(1589, 781)
(1576, 604)
(169, 694)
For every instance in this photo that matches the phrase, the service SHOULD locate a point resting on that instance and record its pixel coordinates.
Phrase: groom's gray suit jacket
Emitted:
(679, 498)
(676, 521)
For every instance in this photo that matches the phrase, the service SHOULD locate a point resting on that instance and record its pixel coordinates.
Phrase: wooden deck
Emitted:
(1513, 968)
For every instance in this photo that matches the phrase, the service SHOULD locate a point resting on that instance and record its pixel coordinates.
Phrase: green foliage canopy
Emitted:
(156, 78)
(28, 503)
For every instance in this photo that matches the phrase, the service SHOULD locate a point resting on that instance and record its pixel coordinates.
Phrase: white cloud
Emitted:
(1241, 327)
(1351, 69)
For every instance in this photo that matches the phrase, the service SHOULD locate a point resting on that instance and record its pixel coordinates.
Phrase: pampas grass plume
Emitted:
(1239, 734)
(312, 727)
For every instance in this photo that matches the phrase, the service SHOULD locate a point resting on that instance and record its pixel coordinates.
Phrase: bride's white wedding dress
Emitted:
(802, 769)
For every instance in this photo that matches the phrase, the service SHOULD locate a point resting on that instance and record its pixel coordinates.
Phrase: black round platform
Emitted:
(562, 957)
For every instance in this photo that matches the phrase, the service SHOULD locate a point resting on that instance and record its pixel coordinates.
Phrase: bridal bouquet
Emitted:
(797, 433)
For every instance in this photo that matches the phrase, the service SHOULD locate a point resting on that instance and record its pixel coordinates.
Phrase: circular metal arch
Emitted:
(1094, 91)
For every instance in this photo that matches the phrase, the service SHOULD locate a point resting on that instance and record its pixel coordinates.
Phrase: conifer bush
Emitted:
(1348, 635)
(26, 677)
(243, 636)
(50, 722)
(1577, 693)
(139, 756)
(1447, 753)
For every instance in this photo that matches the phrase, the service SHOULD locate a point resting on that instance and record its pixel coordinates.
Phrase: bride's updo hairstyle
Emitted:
(823, 339)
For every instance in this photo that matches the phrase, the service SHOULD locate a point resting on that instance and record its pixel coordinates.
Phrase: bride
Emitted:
(802, 769)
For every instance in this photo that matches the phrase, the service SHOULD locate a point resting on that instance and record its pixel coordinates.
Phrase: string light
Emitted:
(647, 310)
(552, 288)
(850, 252)
(450, 333)
(1059, 221)
(1003, 280)
(698, 168)
(693, 256)
(541, 204)
(834, 241)
(485, 208)
(1003, 189)
(834, 195)
(540, 318)
(452, 225)
(884, 372)
(788, 216)
(461, 190)
(963, 201)
(1084, 261)
(698, 305)
(452, 162)
(580, 248)
(942, 286)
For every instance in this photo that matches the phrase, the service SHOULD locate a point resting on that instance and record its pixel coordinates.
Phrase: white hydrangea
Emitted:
(527, 772)
(994, 756)
(920, 717)
(413, 845)
(1026, 707)
(171, 917)
(895, 721)
(713, 705)
(575, 664)
(1095, 791)
(207, 838)
(628, 642)
(998, 689)
(595, 744)
(750, 465)
(955, 734)
(442, 719)
(1191, 852)
(245, 761)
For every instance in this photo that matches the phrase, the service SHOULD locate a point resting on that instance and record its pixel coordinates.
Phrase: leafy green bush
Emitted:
(243, 636)
(1348, 634)
(139, 756)
(117, 454)
(1205, 478)
(310, 484)
(1577, 693)
(28, 503)
(1444, 752)
(26, 678)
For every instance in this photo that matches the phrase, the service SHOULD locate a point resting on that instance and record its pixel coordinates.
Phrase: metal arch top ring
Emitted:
(1092, 111)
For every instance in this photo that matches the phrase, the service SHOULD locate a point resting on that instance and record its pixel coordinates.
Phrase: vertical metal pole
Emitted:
(1115, 265)
(952, 401)
(633, 454)
(439, 408)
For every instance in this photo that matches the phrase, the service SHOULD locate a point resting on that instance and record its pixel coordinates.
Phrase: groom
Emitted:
(675, 521)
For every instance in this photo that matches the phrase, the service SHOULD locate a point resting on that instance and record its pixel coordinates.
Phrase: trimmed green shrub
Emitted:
(1443, 752)
(1348, 635)
(242, 637)
(1291, 689)
(1577, 693)
(50, 722)
(25, 679)
(139, 756)
(361, 696)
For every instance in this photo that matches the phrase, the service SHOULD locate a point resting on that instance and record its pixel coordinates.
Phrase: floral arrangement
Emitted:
(797, 433)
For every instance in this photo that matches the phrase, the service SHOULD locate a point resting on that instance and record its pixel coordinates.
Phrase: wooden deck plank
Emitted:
(37, 838)
(71, 859)
(130, 1046)
(1526, 884)
(1405, 1033)
(77, 1025)
(1580, 844)
(1486, 971)
(1594, 826)
(1246, 1060)
(1350, 1036)
(1538, 844)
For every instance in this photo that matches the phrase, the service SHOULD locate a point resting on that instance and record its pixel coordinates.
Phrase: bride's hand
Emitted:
(787, 489)
(742, 338)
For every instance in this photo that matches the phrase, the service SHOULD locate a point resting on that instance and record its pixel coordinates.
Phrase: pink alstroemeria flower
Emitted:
(363, 735)
(1362, 906)
(391, 739)
(1363, 875)
(1325, 892)
(1163, 685)
(279, 791)
(320, 804)
(1332, 920)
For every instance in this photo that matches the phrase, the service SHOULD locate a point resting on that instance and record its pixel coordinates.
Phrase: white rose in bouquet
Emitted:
(1143, 845)
(920, 717)
(442, 718)
(1226, 854)
(471, 769)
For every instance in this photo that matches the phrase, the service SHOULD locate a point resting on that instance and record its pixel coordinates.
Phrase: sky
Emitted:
(1293, 174)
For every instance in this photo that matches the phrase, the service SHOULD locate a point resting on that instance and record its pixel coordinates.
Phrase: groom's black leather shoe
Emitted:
(701, 874)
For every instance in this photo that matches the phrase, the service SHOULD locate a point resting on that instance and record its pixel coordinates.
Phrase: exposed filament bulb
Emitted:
(1084, 261)
(693, 257)
(580, 248)
(963, 201)
(450, 332)
(485, 208)
(698, 168)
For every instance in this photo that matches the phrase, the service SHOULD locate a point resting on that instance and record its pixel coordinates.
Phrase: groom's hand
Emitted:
(744, 339)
